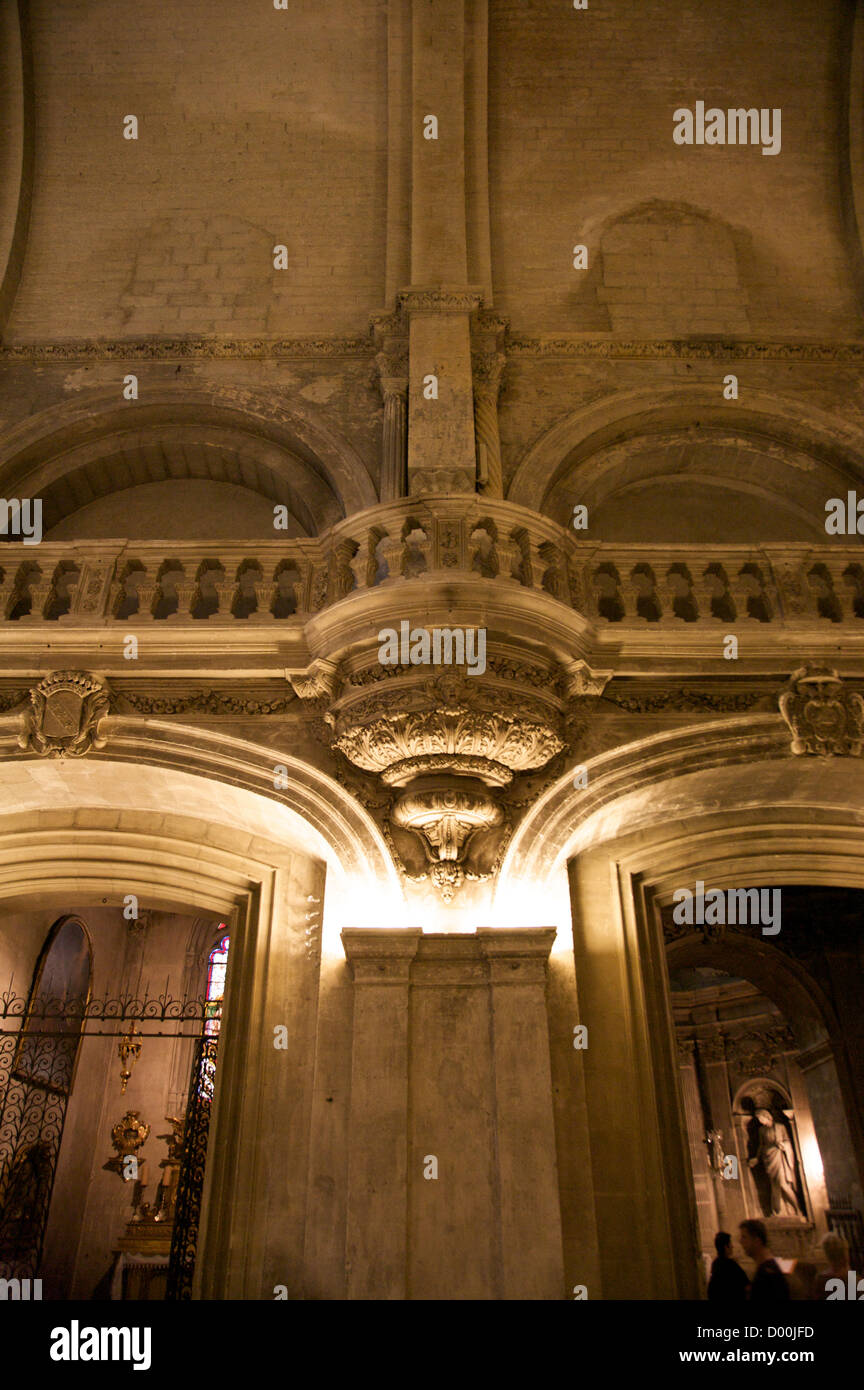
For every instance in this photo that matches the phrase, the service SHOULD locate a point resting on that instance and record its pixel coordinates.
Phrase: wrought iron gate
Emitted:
(32, 1115)
(184, 1240)
(39, 1041)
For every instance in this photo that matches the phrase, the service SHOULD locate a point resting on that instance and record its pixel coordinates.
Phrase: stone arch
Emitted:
(178, 766)
(96, 444)
(177, 864)
(782, 979)
(728, 815)
(641, 439)
(622, 785)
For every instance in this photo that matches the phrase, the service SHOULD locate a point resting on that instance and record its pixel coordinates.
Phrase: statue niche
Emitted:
(772, 1154)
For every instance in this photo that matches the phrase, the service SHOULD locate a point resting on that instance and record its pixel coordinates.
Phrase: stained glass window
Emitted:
(217, 964)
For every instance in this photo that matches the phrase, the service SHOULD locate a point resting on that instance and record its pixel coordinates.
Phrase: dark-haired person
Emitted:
(769, 1282)
(728, 1282)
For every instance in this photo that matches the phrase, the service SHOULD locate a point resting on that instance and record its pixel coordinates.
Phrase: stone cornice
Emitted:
(203, 348)
(711, 349)
(380, 956)
(440, 299)
(196, 348)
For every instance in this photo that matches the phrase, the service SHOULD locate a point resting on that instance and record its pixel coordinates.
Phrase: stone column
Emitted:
(377, 1216)
(393, 463)
(488, 358)
(488, 369)
(393, 379)
(532, 1263)
(813, 1174)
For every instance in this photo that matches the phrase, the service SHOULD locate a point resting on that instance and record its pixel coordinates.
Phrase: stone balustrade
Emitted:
(93, 582)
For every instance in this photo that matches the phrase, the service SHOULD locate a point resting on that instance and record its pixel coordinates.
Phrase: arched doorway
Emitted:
(110, 1047)
(769, 1123)
(190, 849)
(649, 823)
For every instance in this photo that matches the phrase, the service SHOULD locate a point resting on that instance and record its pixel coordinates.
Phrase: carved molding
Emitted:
(488, 371)
(192, 347)
(196, 348)
(712, 1049)
(204, 702)
(203, 347)
(443, 741)
(10, 699)
(546, 678)
(446, 817)
(684, 699)
(581, 680)
(317, 682)
(441, 301)
(760, 1049)
(523, 346)
(63, 721)
(825, 718)
(392, 372)
(711, 932)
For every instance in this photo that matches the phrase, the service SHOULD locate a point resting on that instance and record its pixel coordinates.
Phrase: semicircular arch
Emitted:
(635, 439)
(94, 445)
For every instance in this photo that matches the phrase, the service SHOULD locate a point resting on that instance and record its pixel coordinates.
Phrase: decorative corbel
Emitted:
(317, 682)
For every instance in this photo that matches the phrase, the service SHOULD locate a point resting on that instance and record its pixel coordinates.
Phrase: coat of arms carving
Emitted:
(825, 718)
(63, 719)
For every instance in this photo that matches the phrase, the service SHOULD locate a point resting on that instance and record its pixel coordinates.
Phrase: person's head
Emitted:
(723, 1244)
(836, 1251)
(754, 1237)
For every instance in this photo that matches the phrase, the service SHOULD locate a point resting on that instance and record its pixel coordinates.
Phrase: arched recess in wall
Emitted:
(229, 862)
(108, 468)
(655, 243)
(704, 469)
(727, 805)
(783, 980)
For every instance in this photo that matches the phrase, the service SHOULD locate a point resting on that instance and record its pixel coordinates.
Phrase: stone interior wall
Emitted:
(260, 127)
(240, 108)
(572, 161)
